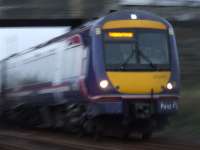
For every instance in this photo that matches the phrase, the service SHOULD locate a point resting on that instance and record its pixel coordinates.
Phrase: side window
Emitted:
(33, 70)
(37, 70)
(73, 61)
(85, 59)
(12, 77)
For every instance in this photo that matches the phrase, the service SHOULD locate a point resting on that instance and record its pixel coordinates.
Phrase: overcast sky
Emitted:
(162, 2)
(13, 40)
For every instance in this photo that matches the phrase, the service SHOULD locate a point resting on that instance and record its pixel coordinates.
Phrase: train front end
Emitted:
(136, 68)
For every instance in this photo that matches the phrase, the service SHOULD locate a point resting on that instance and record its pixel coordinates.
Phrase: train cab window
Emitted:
(136, 50)
(119, 54)
(153, 45)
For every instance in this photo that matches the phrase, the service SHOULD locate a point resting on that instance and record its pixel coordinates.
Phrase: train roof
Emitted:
(118, 15)
(53, 40)
(126, 15)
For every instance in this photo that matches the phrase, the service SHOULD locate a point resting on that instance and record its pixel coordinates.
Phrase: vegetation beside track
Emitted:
(186, 123)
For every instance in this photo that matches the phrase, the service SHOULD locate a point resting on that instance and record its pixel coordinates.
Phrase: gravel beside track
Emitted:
(44, 140)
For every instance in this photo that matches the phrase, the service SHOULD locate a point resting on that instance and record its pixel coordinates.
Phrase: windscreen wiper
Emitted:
(147, 59)
(122, 66)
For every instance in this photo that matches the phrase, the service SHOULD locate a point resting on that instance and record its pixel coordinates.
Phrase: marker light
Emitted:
(103, 84)
(120, 34)
(98, 31)
(169, 86)
(133, 16)
(171, 31)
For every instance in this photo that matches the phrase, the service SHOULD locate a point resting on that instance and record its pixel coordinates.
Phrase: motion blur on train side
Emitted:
(120, 71)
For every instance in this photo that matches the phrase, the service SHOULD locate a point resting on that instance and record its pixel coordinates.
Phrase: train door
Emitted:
(58, 64)
(1, 78)
(2, 85)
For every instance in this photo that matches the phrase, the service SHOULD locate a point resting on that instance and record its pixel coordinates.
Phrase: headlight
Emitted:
(169, 86)
(103, 84)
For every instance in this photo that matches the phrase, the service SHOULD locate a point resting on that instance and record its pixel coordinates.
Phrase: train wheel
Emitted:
(89, 126)
(93, 127)
(147, 129)
(146, 135)
(98, 132)
(126, 134)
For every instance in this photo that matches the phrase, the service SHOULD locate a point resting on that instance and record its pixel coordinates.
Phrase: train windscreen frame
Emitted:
(146, 49)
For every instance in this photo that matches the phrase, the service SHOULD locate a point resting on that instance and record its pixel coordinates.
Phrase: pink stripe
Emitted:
(38, 87)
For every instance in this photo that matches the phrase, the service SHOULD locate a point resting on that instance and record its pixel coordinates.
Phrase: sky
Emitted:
(13, 40)
(163, 2)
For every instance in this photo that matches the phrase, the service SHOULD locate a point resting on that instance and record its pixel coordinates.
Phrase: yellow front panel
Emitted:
(139, 82)
(148, 24)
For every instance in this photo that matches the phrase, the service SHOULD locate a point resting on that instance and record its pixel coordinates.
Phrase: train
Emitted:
(118, 74)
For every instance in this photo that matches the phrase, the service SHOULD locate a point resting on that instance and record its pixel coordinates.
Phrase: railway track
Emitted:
(32, 140)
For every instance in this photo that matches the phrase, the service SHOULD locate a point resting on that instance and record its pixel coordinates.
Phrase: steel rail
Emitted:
(66, 142)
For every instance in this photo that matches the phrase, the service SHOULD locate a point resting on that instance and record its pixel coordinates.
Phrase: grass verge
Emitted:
(186, 123)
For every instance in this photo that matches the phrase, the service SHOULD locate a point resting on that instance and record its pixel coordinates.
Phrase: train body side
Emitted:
(50, 75)
(72, 70)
